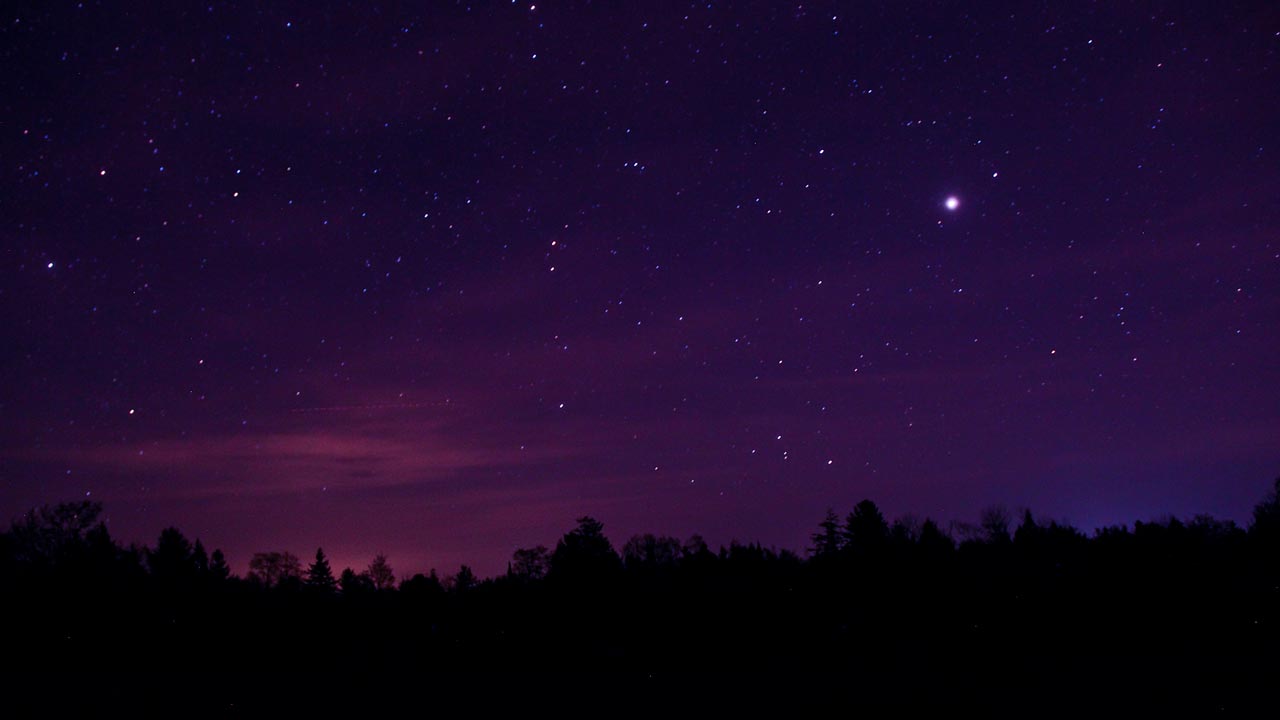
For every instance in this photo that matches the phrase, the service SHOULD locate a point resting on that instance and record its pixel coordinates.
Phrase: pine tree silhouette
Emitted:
(320, 575)
(218, 568)
(828, 540)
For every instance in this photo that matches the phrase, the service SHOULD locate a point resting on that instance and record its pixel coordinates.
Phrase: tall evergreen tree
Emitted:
(200, 559)
(320, 575)
(865, 528)
(828, 540)
(171, 560)
(218, 568)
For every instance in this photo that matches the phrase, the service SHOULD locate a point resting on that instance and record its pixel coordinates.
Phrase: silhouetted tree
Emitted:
(1266, 518)
(50, 534)
(865, 528)
(1026, 531)
(464, 580)
(1171, 599)
(933, 542)
(218, 569)
(353, 583)
(829, 539)
(995, 525)
(380, 573)
(273, 568)
(584, 554)
(320, 575)
(200, 559)
(422, 586)
(530, 564)
(172, 559)
(695, 550)
(904, 531)
(1047, 548)
(651, 552)
(1207, 528)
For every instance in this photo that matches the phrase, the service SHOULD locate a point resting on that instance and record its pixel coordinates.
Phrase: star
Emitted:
(952, 202)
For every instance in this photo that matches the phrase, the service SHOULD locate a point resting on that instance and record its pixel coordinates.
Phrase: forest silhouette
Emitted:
(1175, 612)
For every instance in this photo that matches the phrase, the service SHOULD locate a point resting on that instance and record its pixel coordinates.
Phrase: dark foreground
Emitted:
(1178, 616)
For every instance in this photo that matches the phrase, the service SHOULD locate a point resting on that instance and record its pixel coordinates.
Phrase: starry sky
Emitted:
(435, 279)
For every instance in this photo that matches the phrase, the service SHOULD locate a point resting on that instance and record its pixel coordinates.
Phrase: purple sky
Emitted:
(436, 282)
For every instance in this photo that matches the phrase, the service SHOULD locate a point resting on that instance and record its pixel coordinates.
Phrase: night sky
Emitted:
(435, 279)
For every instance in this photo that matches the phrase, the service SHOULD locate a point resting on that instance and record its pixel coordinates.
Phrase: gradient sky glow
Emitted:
(435, 279)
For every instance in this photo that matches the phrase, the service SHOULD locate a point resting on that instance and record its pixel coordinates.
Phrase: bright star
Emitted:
(952, 202)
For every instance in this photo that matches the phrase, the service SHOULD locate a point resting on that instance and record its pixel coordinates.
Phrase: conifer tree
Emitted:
(829, 539)
(218, 569)
(200, 559)
(865, 528)
(320, 575)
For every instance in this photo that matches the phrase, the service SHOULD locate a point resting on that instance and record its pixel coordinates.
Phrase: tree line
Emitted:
(1189, 605)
